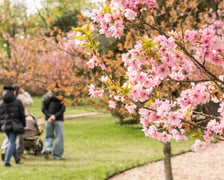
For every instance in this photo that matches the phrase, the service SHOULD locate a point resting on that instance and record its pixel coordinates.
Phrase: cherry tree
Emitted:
(168, 72)
(38, 62)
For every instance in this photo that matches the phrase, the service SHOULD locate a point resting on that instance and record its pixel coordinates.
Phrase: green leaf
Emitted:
(106, 8)
(82, 38)
(147, 43)
(188, 113)
(80, 29)
(125, 91)
(148, 103)
(195, 134)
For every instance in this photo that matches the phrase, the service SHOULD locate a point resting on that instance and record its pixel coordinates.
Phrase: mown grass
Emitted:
(95, 148)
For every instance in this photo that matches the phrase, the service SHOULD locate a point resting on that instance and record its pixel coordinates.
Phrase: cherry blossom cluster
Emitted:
(154, 122)
(69, 40)
(198, 94)
(213, 127)
(164, 123)
(133, 5)
(95, 93)
(110, 18)
(176, 56)
(209, 45)
(94, 62)
(200, 146)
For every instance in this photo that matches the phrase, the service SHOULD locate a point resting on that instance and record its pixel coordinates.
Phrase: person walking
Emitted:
(11, 110)
(53, 108)
(26, 100)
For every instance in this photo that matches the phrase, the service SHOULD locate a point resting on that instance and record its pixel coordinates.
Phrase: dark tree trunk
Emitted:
(167, 161)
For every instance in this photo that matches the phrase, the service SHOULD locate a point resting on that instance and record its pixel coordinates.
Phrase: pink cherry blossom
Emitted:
(139, 93)
(95, 93)
(221, 108)
(199, 146)
(102, 65)
(107, 18)
(145, 113)
(163, 108)
(215, 127)
(174, 119)
(177, 135)
(130, 14)
(104, 79)
(163, 70)
(112, 104)
(92, 62)
(119, 98)
(130, 107)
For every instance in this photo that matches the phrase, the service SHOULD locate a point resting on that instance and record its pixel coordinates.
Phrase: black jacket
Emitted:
(11, 109)
(51, 105)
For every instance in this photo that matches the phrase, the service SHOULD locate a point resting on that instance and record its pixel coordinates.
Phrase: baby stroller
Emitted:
(32, 136)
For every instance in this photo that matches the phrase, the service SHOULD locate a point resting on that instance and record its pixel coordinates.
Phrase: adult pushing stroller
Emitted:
(32, 136)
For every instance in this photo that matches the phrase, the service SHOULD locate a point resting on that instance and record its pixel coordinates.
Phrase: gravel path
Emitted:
(69, 116)
(208, 165)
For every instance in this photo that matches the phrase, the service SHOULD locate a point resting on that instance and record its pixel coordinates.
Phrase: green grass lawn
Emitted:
(95, 148)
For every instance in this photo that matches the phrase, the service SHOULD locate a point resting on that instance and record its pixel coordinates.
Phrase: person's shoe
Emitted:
(18, 161)
(46, 154)
(58, 158)
(7, 165)
(3, 156)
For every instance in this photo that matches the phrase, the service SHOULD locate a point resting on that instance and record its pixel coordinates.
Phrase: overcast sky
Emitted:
(33, 5)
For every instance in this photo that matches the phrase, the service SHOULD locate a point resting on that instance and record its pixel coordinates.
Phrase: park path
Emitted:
(69, 116)
(208, 165)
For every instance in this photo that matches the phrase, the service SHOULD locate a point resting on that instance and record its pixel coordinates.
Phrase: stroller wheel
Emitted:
(38, 147)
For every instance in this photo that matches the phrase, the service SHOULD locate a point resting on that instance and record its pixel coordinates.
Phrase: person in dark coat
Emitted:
(53, 109)
(11, 109)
